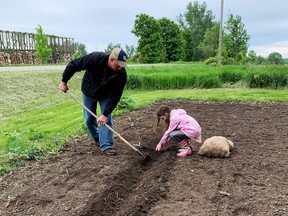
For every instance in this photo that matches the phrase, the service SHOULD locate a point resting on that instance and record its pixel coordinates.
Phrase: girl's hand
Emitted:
(159, 147)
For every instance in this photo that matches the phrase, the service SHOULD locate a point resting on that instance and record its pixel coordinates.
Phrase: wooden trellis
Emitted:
(19, 48)
(22, 41)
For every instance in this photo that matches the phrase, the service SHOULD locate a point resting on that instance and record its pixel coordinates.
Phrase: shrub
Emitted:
(125, 104)
(212, 61)
(41, 46)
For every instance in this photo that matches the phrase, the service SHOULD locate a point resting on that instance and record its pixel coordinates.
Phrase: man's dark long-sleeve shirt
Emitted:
(99, 81)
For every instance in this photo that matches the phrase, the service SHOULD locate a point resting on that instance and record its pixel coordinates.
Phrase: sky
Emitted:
(98, 23)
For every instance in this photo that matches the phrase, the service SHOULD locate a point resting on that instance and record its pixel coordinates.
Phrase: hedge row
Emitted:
(211, 77)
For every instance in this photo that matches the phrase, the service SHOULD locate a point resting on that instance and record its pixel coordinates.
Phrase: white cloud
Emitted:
(265, 49)
(269, 26)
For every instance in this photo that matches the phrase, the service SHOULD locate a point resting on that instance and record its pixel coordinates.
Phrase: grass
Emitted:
(36, 119)
(219, 94)
(197, 75)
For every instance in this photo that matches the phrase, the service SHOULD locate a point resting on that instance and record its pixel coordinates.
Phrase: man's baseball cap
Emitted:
(120, 56)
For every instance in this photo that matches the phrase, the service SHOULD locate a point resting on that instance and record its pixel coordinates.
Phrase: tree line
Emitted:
(194, 36)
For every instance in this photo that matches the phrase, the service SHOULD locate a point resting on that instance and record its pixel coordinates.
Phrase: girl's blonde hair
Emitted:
(161, 111)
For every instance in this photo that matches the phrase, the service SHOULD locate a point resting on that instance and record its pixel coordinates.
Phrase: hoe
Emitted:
(146, 157)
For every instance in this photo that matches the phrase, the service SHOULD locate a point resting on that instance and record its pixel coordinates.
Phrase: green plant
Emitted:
(11, 198)
(211, 61)
(126, 103)
(79, 50)
(43, 52)
(17, 144)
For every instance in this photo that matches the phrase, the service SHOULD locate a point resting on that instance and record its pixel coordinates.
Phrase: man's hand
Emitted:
(102, 119)
(63, 86)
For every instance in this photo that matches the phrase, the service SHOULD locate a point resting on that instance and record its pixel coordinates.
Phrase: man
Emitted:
(103, 82)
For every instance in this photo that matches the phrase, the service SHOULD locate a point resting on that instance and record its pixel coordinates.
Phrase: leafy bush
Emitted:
(211, 61)
(229, 61)
(125, 104)
(18, 144)
(43, 52)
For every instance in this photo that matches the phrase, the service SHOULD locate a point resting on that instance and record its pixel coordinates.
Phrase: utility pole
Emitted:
(220, 33)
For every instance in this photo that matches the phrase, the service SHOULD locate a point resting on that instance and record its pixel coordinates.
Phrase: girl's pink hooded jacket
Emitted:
(180, 120)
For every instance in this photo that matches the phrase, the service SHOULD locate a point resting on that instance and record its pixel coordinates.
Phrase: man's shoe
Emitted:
(96, 142)
(110, 152)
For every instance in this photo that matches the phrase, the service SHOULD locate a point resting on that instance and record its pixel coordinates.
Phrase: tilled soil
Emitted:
(82, 181)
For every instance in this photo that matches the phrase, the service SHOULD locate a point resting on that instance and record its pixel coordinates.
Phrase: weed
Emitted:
(126, 103)
(11, 198)
(34, 135)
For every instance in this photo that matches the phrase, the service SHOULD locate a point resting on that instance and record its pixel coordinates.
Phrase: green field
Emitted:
(37, 118)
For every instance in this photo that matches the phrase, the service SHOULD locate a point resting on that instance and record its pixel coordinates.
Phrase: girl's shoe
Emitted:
(183, 144)
(184, 152)
(181, 150)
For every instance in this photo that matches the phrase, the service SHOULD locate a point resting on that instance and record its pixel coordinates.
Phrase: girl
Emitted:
(180, 127)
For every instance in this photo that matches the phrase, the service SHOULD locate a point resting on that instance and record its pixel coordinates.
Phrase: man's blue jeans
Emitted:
(105, 135)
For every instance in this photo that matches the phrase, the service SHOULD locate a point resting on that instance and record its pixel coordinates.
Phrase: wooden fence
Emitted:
(15, 47)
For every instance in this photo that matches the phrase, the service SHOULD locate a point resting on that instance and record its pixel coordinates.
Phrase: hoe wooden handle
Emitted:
(109, 128)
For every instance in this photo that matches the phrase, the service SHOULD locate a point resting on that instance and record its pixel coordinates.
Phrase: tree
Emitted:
(275, 58)
(130, 50)
(79, 50)
(236, 38)
(150, 43)
(190, 48)
(252, 57)
(260, 60)
(172, 40)
(111, 46)
(210, 44)
(43, 52)
(194, 23)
